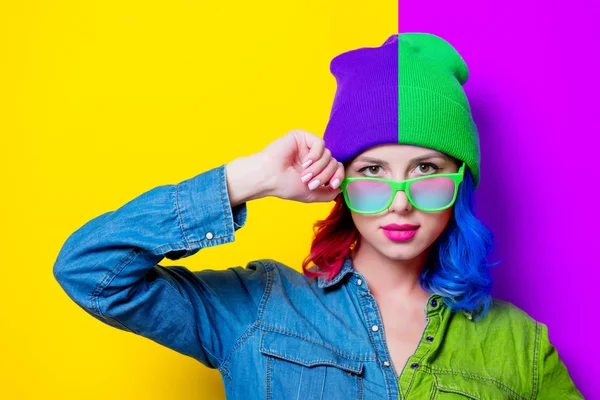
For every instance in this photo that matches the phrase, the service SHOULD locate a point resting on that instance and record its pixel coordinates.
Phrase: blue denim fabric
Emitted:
(274, 333)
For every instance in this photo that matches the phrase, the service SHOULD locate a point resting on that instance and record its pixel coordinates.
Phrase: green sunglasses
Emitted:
(435, 192)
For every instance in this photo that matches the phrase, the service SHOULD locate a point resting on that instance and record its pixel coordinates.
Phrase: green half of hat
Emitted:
(433, 110)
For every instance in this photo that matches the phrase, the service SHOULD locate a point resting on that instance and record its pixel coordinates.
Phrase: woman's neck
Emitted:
(388, 277)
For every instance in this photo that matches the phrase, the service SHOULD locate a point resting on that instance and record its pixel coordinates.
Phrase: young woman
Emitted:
(397, 304)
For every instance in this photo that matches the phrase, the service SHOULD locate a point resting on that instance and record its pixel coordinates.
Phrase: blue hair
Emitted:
(457, 267)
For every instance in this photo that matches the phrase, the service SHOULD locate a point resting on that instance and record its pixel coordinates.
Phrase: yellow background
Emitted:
(101, 101)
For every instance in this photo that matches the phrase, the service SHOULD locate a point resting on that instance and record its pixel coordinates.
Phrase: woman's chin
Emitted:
(400, 252)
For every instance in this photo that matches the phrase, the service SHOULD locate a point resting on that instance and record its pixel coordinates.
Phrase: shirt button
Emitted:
(414, 365)
(434, 303)
(387, 364)
(374, 328)
(359, 282)
(209, 235)
(430, 338)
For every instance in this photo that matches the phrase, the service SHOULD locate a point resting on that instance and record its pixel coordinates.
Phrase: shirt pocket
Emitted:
(460, 387)
(298, 368)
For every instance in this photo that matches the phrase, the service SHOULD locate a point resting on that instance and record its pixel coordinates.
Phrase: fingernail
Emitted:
(314, 184)
(335, 183)
(307, 177)
(306, 164)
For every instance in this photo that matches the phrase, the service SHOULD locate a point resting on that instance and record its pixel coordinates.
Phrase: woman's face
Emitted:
(400, 162)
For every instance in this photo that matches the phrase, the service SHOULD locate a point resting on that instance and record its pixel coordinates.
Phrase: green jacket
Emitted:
(505, 355)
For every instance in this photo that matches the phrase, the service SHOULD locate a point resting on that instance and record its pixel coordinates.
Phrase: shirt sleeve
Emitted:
(109, 267)
(554, 379)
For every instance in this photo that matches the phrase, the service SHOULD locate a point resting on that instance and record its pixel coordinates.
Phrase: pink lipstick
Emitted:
(400, 233)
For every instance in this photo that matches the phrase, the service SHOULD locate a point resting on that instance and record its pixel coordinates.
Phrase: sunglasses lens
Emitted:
(368, 196)
(432, 193)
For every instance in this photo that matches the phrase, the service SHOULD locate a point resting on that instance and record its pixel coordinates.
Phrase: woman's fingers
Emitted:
(322, 173)
(338, 176)
(316, 147)
(330, 192)
(313, 175)
(325, 175)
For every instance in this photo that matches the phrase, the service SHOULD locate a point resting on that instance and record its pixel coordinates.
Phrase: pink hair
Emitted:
(334, 239)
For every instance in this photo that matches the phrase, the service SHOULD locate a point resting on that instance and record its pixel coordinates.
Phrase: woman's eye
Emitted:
(370, 168)
(432, 168)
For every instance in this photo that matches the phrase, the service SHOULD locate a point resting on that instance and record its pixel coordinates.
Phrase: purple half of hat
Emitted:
(365, 107)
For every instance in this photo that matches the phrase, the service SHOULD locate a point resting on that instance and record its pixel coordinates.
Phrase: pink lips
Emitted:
(400, 233)
(400, 227)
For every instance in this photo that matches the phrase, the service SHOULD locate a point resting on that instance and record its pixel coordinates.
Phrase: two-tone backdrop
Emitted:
(101, 101)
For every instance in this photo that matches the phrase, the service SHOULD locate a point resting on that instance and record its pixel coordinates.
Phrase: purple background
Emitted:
(534, 89)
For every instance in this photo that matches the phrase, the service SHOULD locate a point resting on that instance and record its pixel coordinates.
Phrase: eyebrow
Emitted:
(383, 162)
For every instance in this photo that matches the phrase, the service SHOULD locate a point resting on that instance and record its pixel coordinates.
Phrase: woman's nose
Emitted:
(400, 202)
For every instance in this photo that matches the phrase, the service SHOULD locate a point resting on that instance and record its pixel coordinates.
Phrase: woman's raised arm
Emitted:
(110, 267)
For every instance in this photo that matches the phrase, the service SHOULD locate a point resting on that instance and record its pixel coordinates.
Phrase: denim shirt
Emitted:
(272, 332)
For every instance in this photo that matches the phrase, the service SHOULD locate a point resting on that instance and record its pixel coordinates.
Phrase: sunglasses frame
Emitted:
(396, 186)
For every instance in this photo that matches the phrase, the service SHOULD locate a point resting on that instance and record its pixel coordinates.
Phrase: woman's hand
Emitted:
(284, 160)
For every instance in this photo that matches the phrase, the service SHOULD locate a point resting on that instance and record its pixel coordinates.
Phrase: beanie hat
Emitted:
(407, 91)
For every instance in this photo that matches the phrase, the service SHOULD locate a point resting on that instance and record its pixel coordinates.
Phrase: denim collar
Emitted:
(348, 267)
